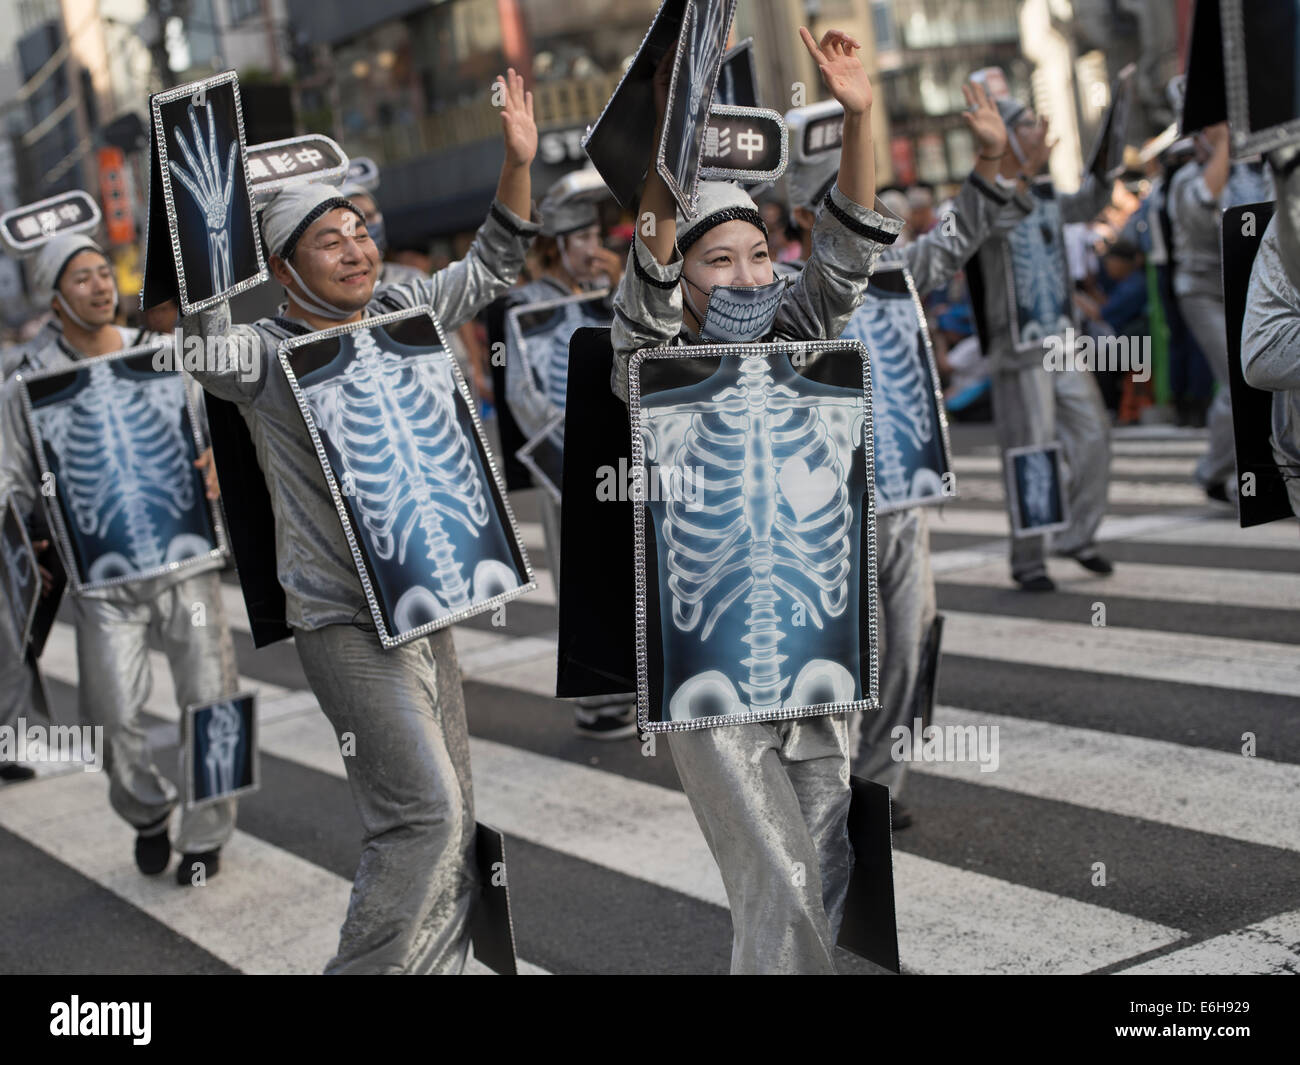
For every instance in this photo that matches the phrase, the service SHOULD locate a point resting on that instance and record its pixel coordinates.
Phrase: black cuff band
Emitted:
(645, 275)
(860, 228)
(509, 226)
(988, 190)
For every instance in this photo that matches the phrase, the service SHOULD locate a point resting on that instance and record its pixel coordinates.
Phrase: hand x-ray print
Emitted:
(755, 534)
(417, 492)
(116, 444)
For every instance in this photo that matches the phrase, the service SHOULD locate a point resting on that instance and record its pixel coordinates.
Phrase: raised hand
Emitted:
(518, 128)
(211, 190)
(842, 71)
(984, 121)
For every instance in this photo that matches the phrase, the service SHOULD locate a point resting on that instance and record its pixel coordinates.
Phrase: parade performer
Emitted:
(906, 586)
(771, 795)
(114, 625)
(409, 765)
(1033, 404)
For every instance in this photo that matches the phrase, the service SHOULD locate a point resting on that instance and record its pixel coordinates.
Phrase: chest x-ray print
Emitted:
(117, 446)
(1039, 277)
(431, 533)
(911, 438)
(753, 542)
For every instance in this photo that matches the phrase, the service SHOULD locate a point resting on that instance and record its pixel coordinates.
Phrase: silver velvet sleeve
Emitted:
(1270, 333)
(935, 257)
(235, 357)
(18, 473)
(846, 242)
(647, 308)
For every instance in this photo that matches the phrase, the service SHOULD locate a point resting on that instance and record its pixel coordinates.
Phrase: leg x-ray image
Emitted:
(22, 582)
(117, 439)
(695, 75)
(1040, 279)
(220, 750)
(198, 133)
(911, 435)
(754, 534)
(1035, 480)
(434, 538)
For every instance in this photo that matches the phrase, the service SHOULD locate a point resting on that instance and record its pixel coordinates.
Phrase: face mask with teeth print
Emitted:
(739, 314)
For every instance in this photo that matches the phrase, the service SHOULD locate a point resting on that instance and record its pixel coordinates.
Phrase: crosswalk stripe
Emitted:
(1217, 662)
(1266, 947)
(1129, 465)
(1181, 584)
(1214, 792)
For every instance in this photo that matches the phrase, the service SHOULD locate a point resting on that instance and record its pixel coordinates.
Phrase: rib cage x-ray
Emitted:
(759, 568)
(402, 449)
(118, 440)
(1040, 278)
(910, 454)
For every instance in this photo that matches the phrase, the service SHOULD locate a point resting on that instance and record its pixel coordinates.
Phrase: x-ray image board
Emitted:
(116, 442)
(1106, 159)
(738, 78)
(1035, 485)
(22, 579)
(544, 457)
(415, 486)
(754, 528)
(537, 339)
(1038, 275)
(201, 242)
(219, 744)
(912, 450)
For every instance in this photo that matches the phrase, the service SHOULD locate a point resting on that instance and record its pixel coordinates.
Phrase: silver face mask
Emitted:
(739, 314)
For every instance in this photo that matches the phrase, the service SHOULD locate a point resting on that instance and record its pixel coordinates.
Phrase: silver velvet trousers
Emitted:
(772, 800)
(1205, 318)
(400, 718)
(906, 608)
(1033, 405)
(114, 681)
(17, 683)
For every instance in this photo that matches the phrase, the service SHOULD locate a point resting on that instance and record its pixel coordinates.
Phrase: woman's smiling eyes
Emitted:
(725, 260)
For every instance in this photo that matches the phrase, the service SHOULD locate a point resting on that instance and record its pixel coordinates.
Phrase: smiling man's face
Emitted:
(89, 288)
(336, 259)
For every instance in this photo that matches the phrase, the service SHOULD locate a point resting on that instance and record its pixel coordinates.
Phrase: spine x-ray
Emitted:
(116, 442)
(220, 750)
(1035, 482)
(22, 582)
(911, 429)
(537, 369)
(755, 533)
(417, 491)
(201, 245)
(1038, 279)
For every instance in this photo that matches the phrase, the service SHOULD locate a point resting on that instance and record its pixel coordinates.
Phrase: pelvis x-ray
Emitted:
(430, 529)
(116, 444)
(220, 744)
(755, 533)
(22, 583)
(1034, 480)
(1039, 279)
(911, 430)
(537, 374)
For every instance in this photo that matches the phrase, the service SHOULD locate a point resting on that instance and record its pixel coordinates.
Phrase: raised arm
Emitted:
(235, 358)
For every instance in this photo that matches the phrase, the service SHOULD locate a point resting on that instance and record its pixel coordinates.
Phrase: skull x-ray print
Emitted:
(220, 750)
(537, 373)
(198, 136)
(426, 518)
(116, 444)
(1035, 483)
(755, 534)
(1038, 276)
(911, 431)
(22, 583)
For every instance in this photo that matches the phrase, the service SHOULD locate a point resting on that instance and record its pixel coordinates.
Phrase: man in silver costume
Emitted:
(906, 585)
(114, 625)
(772, 798)
(408, 765)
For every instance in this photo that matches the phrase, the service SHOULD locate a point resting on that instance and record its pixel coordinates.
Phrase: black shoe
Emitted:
(1041, 583)
(900, 817)
(209, 861)
(1094, 563)
(153, 850)
(13, 773)
(1218, 492)
(597, 725)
